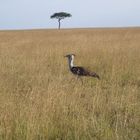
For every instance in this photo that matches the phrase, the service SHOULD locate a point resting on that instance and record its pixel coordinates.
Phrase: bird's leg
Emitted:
(71, 80)
(81, 80)
(74, 81)
(78, 77)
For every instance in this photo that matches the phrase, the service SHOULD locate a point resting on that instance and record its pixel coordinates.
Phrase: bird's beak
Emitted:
(67, 55)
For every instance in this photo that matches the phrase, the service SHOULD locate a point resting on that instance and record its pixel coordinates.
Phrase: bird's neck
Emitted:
(71, 62)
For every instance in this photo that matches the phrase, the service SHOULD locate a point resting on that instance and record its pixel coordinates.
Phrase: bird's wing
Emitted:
(86, 72)
(81, 71)
(75, 70)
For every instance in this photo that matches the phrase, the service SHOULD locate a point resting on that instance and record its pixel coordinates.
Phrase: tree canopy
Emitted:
(59, 16)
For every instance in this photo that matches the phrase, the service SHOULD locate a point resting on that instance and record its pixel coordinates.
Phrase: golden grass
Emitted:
(41, 100)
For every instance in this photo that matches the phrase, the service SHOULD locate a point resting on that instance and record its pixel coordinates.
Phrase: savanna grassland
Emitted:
(41, 100)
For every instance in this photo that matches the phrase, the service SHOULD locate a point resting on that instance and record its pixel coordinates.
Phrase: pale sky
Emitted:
(34, 14)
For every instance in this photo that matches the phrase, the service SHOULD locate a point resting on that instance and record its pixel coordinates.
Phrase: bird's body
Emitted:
(80, 71)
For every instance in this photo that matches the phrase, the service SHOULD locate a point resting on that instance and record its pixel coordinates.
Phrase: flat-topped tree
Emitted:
(59, 16)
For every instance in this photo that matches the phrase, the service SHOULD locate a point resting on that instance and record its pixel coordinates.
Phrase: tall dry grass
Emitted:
(41, 100)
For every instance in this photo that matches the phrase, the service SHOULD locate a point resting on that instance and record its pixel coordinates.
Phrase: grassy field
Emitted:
(41, 100)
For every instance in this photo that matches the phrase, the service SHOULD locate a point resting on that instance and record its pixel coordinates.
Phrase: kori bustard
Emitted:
(80, 71)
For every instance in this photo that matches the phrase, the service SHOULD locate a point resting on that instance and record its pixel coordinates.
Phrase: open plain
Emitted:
(41, 100)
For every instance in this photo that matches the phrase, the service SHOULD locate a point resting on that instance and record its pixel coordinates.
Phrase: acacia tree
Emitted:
(59, 16)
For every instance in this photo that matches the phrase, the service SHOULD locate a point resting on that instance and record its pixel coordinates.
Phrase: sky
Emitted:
(35, 14)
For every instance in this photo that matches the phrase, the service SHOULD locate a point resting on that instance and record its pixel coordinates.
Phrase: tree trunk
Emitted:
(59, 25)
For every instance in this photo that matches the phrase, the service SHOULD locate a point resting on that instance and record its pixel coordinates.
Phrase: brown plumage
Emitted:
(80, 71)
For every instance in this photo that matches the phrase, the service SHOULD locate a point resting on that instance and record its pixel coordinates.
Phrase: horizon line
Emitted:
(64, 28)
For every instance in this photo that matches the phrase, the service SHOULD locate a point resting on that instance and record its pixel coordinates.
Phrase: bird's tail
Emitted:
(93, 74)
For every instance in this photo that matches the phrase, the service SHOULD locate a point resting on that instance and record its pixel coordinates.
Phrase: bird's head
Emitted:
(70, 56)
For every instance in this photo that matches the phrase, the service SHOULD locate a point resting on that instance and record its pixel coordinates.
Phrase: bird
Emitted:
(79, 71)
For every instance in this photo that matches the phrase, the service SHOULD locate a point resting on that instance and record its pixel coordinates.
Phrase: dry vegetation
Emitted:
(41, 100)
